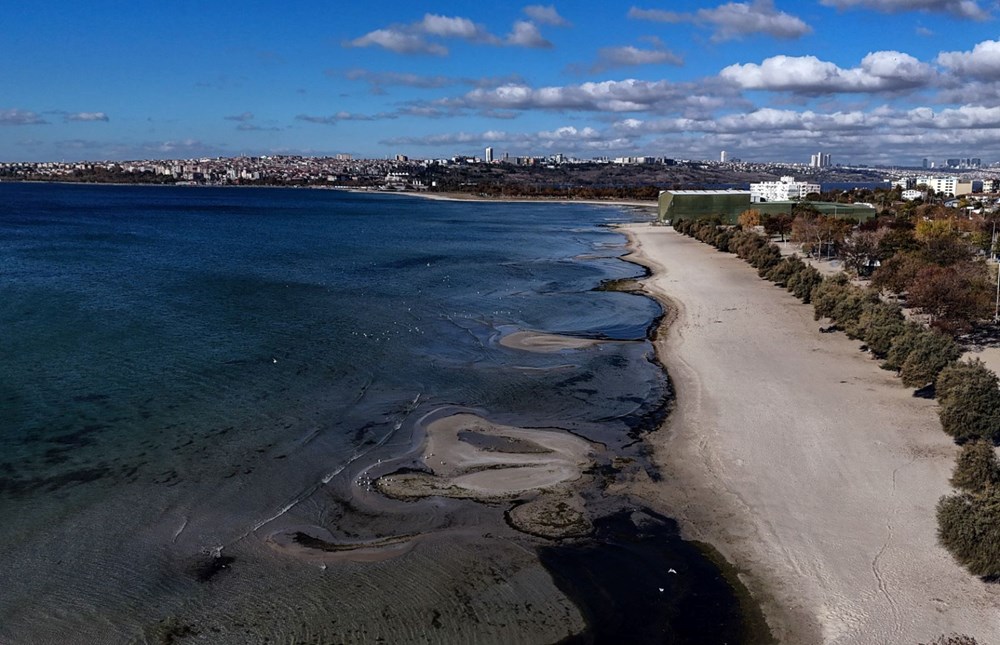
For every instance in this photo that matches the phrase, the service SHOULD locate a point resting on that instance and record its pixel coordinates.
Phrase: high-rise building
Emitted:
(722, 157)
(489, 155)
(819, 160)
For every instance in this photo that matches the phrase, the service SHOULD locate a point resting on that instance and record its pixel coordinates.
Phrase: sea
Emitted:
(184, 371)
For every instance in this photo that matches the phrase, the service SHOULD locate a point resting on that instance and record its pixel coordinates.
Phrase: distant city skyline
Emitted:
(864, 81)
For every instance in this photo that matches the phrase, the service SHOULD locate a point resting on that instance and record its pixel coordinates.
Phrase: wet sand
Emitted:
(811, 470)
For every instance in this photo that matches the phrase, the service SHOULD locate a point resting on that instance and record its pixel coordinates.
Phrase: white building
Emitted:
(722, 157)
(786, 189)
(489, 155)
(946, 185)
(819, 160)
(910, 195)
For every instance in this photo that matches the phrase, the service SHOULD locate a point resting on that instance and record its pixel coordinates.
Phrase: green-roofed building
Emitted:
(696, 204)
(728, 204)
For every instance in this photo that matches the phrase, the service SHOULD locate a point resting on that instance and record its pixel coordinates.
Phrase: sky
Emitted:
(867, 81)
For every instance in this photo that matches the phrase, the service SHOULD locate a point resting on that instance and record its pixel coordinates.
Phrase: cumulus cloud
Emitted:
(453, 27)
(399, 42)
(414, 38)
(883, 71)
(628, 56)
(87, 116)
(526, 34)
(983, 62)
(968, 9)
(565, 139)
(20, 117)
(734, 20)
(246, 116)
(545, 15)
(628, 95)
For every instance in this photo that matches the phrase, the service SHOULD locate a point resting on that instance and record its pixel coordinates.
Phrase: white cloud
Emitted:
(545, 15)
(982, 62)
(453, 27)
(969, 9)
(415, 38)
(87, 116)
(611, 57)
(628, 95)
(336, 118)
(883, 71)
(246, 116)
(20, 117)
(526, 34)
(734, 20)
(399, 42)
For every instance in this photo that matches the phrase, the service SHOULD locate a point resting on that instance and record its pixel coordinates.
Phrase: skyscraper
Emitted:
(722, 157)
(489, 155)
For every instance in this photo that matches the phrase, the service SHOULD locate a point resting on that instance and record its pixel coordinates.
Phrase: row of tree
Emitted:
(968, 392)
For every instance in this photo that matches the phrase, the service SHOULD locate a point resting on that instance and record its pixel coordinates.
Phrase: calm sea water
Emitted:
(183, 370)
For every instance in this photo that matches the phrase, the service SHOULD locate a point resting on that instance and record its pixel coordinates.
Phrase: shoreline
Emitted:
(443, 196)
(812, 472)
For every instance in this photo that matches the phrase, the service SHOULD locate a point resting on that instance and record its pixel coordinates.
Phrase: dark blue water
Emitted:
(184, 370)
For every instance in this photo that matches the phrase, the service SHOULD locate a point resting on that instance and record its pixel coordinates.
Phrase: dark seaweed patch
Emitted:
(636, 581)
(207, 567)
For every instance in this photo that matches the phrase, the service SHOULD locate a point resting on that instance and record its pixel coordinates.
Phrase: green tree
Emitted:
(969, 399)
(969, 527)
(878, 325)
(932, 352)
(977, 468)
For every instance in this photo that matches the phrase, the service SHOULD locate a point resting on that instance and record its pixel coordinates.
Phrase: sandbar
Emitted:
(533, 341)
(469, 457)
(811, 470)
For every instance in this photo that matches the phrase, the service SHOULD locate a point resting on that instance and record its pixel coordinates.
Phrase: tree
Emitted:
(969, 399)
(750, 218)
(901, 346)
(969, 527)
(807, 233)
(977, 468)
(777, 224)
(954, 296)
(931, 353)
(898, 272)
(860, 251)
(878, 325)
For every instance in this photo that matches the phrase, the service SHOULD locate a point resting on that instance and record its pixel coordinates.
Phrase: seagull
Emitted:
(671, 571)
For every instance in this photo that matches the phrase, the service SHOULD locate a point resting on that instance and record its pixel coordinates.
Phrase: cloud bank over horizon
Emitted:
(763, 79)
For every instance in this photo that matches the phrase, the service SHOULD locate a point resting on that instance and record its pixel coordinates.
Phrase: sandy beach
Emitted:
(811, 470)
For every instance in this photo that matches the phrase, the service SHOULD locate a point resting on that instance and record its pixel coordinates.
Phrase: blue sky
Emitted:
(868, 81)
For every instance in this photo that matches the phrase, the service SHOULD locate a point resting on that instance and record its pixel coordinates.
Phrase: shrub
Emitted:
(901, 346)
(804, 283)
(977, 468)
(969, 399)
(826, 296)
(840, 301)
(765, 258)
(932, 352)
(782, 272)
(879, 324)
(969, 527)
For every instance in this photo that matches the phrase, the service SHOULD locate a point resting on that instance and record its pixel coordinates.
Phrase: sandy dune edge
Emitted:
(810, 469)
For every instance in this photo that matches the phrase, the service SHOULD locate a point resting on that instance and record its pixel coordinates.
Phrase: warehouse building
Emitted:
(728, 204)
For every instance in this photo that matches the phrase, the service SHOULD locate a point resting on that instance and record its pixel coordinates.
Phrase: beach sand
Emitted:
(811, 470)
